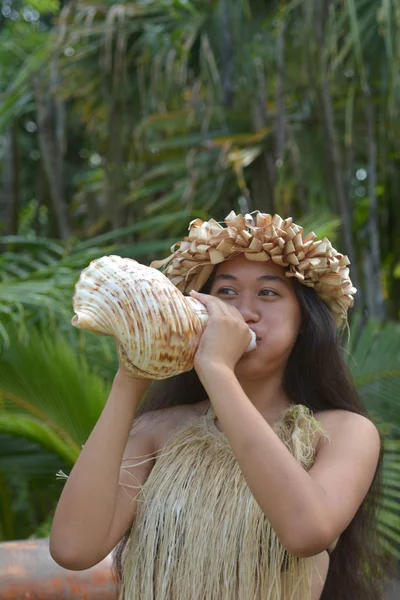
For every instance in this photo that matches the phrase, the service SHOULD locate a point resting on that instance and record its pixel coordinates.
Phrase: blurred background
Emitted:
(122, 121)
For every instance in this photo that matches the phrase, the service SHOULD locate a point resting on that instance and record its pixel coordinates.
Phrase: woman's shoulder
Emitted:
(340, 424)
(340, 417)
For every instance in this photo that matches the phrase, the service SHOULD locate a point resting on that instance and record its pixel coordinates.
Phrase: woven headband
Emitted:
(262, 237)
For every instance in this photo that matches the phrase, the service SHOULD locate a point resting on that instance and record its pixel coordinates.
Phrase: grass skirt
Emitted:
(200, 535)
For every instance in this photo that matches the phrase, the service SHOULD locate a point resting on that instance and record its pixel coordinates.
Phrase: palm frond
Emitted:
(389, 510)
(36, 430)
(43, 379)
(29, 490)
(374, 359)
(37, 276)
(375, 365)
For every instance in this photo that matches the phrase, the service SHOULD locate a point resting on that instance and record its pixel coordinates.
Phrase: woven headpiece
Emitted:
(315, 263)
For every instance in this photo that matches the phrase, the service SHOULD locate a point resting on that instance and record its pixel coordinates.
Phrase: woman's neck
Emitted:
(267, 396)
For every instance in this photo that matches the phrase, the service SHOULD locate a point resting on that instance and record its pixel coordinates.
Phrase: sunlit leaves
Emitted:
(37, 275)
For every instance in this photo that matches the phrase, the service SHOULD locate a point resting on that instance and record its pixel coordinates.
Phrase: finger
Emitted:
(216, 305)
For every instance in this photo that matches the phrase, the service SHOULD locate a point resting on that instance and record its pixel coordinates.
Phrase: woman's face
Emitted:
(267, 302)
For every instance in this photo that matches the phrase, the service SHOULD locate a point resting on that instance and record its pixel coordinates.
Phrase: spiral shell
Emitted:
(157, 327)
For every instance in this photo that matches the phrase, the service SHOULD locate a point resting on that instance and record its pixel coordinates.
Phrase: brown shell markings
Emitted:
(157, 327)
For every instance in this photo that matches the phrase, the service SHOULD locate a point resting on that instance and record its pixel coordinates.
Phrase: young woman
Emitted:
(255, 475)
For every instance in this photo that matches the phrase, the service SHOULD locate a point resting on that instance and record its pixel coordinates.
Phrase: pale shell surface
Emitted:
(157, 327)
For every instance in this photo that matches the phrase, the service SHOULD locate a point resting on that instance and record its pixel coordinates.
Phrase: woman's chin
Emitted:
(247, 366)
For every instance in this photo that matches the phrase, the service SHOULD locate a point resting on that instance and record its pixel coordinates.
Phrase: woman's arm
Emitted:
(94, 510)
(307, 510)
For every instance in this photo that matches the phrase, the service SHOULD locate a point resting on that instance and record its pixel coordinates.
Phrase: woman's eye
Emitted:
(226, 291)
(268, 293)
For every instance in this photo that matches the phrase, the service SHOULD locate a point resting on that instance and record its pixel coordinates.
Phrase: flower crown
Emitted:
(315, 263)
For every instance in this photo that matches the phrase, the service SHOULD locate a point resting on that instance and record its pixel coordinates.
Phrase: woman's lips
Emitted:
(258, 338)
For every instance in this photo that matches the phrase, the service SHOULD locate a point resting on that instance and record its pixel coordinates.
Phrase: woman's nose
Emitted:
(248, 311)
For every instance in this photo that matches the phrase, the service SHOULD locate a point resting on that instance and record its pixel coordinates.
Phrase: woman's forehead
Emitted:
(240, 266)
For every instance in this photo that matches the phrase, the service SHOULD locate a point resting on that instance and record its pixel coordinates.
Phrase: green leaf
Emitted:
(147, 225)
(37, 431)
(44, 379)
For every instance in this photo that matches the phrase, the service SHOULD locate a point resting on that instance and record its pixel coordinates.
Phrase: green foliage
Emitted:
(23, 49)
(45, 7)
(164, 112)
(375, 366)
(37, 275)
(28, 489)
(374, 360)
(53, 391)
(50, 401)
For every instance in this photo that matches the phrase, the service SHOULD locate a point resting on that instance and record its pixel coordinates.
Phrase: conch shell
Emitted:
(157, 327)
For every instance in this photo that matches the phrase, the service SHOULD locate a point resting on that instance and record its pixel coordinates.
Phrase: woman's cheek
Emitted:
(282, 337)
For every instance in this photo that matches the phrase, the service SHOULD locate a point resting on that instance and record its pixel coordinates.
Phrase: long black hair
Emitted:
(316, 376)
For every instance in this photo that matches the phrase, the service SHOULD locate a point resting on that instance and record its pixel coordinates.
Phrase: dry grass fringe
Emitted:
(199, 533)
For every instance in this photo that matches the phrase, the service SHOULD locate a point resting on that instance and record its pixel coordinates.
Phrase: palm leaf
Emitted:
(37, 276)
(389, 510)
(29, 490)
(374, 359)
(43, 379)
(375, 366)
(28, 459)
(35, 430)
(19, 98)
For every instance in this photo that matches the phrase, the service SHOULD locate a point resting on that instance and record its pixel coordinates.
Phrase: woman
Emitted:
(254, 475)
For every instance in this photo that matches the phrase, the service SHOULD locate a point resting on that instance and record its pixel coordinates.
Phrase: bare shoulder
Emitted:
(345, 464)
(163, 423)
(344, 426)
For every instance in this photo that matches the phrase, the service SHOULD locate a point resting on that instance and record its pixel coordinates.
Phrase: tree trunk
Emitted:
(375, 305)
(263, 170)
(293, 149)
(332, 149)
(10, 194)
(115, 185)
(51, 141)
(280, 128)
(227, 56)
(280, 119)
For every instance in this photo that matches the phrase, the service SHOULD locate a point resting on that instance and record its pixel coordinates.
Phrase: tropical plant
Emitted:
(50, 401)
(37, 275)
(219, 105)
(374, 359)
(28, 487)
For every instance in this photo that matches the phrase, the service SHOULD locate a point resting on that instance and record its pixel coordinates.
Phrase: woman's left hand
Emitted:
(226, 336)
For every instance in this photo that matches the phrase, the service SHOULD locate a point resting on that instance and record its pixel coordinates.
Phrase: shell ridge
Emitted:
(158, 329)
